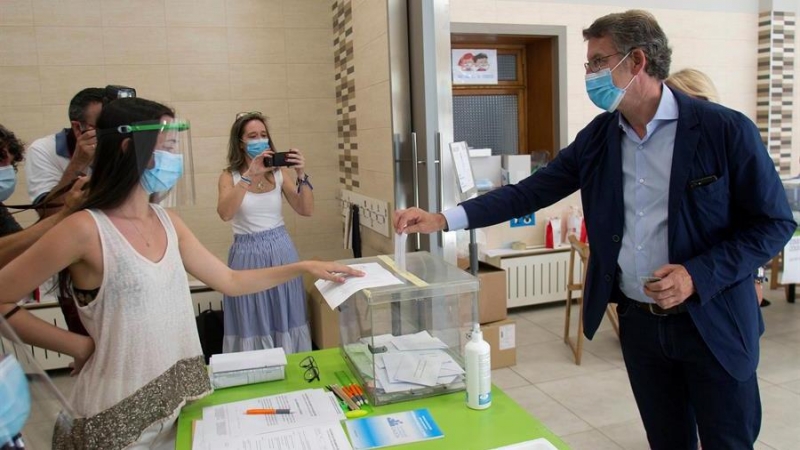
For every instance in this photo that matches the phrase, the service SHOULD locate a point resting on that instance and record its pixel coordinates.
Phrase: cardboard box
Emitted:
(501, 337)
(492, 298)
(323, 321)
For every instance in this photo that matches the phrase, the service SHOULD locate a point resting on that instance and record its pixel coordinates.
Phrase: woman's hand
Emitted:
(257, 166)
(297, 161)
(86, 352)
(331, 271)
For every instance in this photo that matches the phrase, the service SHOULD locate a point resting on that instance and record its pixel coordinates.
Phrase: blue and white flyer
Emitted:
(392, 429)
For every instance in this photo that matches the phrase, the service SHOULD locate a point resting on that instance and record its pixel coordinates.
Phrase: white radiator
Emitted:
(535, 279)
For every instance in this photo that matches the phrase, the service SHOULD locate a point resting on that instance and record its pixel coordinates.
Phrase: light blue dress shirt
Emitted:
(646, 168)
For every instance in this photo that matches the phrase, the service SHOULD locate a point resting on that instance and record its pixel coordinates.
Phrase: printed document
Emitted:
(327, 436)
(392, 429)
(374, 276)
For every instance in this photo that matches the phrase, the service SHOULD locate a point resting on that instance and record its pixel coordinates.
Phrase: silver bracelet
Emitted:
(247, 180)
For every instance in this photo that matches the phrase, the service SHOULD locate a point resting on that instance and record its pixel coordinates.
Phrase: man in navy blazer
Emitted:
(673, 188)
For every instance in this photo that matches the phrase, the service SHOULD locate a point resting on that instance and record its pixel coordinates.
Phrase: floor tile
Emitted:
(601, 399)
(590, 440)
(779, 363)
(554, 361)
(506, 378)
(779, 427)
(553, 415)
(629, 435)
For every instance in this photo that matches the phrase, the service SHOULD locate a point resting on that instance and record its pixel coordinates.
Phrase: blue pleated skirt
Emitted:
(272, 318)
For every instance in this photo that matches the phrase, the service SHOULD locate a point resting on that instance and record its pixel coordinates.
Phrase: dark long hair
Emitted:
(236, 154)
(117, 165)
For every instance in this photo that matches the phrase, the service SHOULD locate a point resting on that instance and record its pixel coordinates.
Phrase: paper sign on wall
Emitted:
(474, 66)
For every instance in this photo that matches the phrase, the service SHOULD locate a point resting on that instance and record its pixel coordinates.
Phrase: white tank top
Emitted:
(259, 211)
(143, 324)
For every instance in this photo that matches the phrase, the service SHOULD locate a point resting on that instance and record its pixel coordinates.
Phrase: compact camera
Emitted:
(278, 160)
(114, 92)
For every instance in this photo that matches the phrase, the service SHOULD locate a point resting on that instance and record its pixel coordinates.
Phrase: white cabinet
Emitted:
(533, 276)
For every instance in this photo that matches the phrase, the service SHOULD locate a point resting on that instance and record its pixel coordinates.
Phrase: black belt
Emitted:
(656, 310)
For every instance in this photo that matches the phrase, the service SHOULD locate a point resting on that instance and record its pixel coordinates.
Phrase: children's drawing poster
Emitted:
(474, 66)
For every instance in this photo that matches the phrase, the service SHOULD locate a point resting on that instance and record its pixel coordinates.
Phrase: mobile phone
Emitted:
(646, 280)
(278, 160)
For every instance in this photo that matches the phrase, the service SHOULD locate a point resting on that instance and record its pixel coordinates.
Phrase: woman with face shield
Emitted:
(125, 264)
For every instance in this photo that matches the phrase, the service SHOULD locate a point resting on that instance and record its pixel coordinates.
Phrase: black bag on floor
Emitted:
(211, 328)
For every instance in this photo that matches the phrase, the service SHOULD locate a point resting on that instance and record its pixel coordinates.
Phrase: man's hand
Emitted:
(85, 146)
(76, 195)
(415, 220)
(675, 287)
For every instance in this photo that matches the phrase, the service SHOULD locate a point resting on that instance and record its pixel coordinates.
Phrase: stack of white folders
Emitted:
(236, 369)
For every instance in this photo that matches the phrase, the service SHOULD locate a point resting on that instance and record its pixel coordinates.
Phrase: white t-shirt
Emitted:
(43, 167)
(259, 211)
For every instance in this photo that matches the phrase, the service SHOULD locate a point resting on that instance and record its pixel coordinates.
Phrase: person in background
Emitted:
(699, 85)
(675, 188)
(126, 264)
(250, 196)
(11, 151)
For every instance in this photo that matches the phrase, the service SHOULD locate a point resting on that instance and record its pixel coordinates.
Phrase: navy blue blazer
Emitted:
(721, 232)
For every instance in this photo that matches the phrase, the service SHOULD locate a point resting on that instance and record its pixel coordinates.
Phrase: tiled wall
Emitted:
(776, 47)
(208, 59)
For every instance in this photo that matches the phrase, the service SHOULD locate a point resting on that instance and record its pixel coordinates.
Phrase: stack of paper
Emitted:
(235, 369)
(312, 423)
(406, 363)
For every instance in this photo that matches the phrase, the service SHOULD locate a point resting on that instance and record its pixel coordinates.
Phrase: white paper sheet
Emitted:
(424, 371)
(418, 341)
(536, 444)
(400, 251)
(327, 436)
(374, 276)
(309, 407)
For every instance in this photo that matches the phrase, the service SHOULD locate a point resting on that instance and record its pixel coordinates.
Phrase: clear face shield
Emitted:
(164, 158)
(32, 410)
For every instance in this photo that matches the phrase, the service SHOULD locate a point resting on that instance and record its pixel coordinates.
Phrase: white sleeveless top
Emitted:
(147, 361)
(259, 211)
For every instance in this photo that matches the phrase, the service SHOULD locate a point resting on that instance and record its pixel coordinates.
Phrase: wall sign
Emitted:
(474, 66)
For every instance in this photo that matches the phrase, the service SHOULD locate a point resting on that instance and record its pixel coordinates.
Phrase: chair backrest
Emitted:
(582, 250)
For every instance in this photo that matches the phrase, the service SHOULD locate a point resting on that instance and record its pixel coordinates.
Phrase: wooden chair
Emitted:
(582, 251)
(775, 266)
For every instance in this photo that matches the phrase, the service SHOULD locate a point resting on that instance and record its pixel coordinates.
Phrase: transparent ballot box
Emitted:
(792, 187)
(405, 341)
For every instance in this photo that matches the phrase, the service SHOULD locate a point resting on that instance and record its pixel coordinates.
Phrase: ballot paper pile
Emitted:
(314, 423)
(257, 366)
(413, 363)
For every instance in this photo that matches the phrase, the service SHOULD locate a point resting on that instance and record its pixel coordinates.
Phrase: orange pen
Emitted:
(361, 393)
(255, 412)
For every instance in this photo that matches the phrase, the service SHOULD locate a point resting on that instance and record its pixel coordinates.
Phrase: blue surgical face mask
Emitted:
(164, 174)
(602, 90)
(8, 181)
(256, 147)
(15, 399)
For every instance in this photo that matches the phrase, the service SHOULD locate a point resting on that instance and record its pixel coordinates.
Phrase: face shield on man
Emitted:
(164, 158)
(32, 411)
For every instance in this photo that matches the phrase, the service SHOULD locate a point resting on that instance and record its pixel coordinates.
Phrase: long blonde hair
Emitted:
(694, 83)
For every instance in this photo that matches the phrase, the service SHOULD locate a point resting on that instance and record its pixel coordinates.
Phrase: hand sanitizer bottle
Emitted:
(479, 371)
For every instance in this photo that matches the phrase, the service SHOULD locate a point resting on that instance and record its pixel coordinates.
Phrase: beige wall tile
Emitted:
(67, 13)
(196, 45)
(258, 81)
(203, 224)
(16, 13)
(60, 83)
(275, 110)
(325, 181)
(369, 22)
(17, 46)
(54, 118)
(134, 45)
(311, 81)
(372, 62)
(256, 45)
(311, 244)
(312, 46)
(69, 46)
(141, 13)
(24, 121)
(205, 189)
(209, 154)
(319, 149)
(308, 14)
(150, 81)
(254, 13)
(201, 82)
(195, 13)
(376, 185)
(324, 221)
(373, 147)
(374, 109)
(20, 86)
(209, 119)
(312, 115)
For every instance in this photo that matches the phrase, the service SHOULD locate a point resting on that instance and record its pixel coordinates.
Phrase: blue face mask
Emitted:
(256, 147)
(8, 181)
(15, 399)
(165, 173)
(602, 91)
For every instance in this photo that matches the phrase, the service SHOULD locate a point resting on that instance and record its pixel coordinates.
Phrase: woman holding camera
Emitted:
(250, 190)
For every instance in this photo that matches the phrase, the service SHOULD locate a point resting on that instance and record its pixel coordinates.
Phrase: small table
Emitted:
(504, 423)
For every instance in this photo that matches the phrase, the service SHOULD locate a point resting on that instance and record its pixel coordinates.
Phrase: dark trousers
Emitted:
(680, 387)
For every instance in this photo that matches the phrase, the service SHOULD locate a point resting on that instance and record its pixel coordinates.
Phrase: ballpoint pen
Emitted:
(252, 412)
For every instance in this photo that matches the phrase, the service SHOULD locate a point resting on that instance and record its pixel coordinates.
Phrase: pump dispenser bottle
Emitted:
(479, 371)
